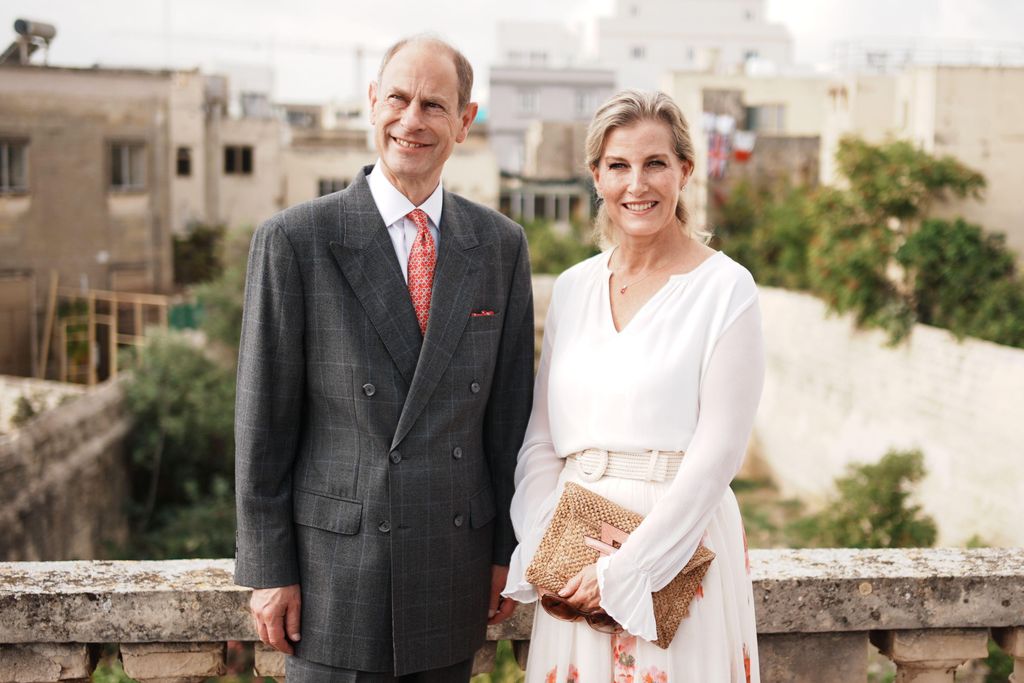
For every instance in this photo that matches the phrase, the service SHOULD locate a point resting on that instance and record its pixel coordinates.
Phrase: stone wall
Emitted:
(835, 395)
(927, 610)
(64, 480)
(41, 394)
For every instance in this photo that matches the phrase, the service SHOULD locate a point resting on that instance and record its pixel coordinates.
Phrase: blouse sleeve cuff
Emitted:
(626, 595)
(516, 586)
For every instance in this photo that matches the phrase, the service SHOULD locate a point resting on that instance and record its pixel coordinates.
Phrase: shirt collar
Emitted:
(393, 205)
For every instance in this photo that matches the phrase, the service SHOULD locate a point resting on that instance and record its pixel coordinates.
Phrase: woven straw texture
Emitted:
(562, 554)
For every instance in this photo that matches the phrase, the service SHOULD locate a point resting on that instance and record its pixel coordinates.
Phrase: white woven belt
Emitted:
(593, 463)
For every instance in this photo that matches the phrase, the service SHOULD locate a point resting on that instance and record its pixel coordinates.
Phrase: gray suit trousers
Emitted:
(303, 671)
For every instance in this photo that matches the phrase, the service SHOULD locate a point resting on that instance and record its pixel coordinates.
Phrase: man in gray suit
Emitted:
(384, 385)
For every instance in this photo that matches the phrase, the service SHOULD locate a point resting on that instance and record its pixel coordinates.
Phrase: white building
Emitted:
(972, 113)
(520, 95)
(644, 40)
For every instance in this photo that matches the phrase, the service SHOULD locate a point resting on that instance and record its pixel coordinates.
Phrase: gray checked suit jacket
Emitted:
(374, 465)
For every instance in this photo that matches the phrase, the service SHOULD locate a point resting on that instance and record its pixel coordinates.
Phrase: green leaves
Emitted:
(872, 508)
(871, 251)
(182, 452)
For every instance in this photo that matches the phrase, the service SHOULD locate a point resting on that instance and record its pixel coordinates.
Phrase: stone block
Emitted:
(483, 661)
(1011, 640)
(813, 657)
(931, 655)
(173, 661)
(269, 662)
(44, 662)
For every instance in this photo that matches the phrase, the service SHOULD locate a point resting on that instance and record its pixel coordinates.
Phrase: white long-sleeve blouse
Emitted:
(684, 375)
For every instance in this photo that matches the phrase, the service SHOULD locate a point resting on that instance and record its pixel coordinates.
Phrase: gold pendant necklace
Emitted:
(623, 288)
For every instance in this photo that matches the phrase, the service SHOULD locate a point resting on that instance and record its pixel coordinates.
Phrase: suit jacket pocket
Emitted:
(326, 512)
(481, 507)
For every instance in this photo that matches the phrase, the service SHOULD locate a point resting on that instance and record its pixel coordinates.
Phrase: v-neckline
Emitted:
(607, 298)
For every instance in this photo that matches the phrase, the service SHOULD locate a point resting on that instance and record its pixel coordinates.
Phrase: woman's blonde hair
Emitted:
(625, 109)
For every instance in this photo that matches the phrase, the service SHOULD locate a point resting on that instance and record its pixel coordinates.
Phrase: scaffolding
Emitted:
(94, 325)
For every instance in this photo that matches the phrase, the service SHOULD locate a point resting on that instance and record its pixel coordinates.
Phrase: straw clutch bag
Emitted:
(586, 526)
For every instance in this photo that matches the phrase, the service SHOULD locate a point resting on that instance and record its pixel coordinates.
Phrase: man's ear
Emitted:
(372, 95)
(466, 119)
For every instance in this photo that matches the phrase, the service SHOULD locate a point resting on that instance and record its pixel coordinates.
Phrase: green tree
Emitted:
(872, 508)
(552, 251)
(181, 451)
(221, 298)
(964, 280)
(197, 254)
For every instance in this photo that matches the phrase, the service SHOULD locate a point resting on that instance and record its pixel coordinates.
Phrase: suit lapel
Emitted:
(455, 278)
(367, 259)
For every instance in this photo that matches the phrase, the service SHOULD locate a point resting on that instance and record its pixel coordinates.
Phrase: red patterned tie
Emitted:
(422, 258)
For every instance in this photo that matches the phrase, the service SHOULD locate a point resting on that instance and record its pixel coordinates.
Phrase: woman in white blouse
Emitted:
(650, 374)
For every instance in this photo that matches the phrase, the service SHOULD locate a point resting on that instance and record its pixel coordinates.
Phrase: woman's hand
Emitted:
(582, 591)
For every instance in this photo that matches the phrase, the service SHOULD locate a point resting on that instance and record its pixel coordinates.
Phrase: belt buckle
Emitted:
(602, 465)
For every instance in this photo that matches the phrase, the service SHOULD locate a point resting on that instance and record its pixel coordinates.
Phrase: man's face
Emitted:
(416, 117)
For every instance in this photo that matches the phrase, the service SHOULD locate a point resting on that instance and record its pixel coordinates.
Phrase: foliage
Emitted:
(964, 280)
(870, 249)
(197, 255)
(552, 251)
(872, 508)
(23, 411)
(899, 180)
(221, 299)
(182, 451)
(506, 670)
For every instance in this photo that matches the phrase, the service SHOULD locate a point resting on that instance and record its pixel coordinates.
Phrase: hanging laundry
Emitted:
(718, 155)
(743, 145)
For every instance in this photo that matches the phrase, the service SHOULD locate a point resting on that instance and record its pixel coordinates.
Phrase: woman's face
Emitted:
(640, 178)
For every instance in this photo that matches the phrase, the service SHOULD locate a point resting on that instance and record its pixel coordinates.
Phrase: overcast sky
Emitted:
(311, 52)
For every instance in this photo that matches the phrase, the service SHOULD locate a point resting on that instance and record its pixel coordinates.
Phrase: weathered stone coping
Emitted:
(795, 591)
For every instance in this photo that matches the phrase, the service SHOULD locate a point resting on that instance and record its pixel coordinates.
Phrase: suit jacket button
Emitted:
(475, 387)
(458, 519)
(369, 389)
(396, 457)
(457, 453)
(384, 526)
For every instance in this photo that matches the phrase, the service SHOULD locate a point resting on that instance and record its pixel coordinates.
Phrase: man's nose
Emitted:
(412, 117)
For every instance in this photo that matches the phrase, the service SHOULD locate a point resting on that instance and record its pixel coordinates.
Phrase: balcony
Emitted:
(819, 612)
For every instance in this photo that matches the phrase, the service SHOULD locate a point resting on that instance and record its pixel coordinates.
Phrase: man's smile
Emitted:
(408, 144)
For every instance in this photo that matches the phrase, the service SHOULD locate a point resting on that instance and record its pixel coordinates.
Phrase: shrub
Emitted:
(872, 508)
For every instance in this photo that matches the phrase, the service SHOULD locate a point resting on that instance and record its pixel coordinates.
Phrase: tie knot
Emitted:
(419, 217)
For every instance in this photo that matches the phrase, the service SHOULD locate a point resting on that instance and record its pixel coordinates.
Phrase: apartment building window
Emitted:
(238, 159)
(183, 162)
(586, 103)
(329, 185)
(127, 166)
(529, 102)
(638, 52)
(13, 166)
(766, 118)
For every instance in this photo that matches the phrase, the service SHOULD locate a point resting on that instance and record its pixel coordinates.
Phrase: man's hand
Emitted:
(276, 612)
(501, 608)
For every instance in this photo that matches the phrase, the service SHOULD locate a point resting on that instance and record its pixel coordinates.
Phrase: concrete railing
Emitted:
(818, 612)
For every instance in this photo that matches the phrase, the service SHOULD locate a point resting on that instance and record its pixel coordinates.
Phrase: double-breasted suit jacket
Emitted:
(374, 464)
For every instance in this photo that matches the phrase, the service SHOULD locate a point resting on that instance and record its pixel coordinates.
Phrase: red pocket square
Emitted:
(481, 314)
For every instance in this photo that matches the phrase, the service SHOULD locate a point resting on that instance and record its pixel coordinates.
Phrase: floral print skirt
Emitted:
(716, 643)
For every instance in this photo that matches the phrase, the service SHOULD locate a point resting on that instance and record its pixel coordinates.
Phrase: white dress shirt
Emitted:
(395, 206)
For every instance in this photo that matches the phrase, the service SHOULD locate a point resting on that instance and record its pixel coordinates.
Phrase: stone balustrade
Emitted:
(818, 614)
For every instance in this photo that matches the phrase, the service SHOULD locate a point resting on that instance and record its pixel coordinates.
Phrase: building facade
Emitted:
(645, 40)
